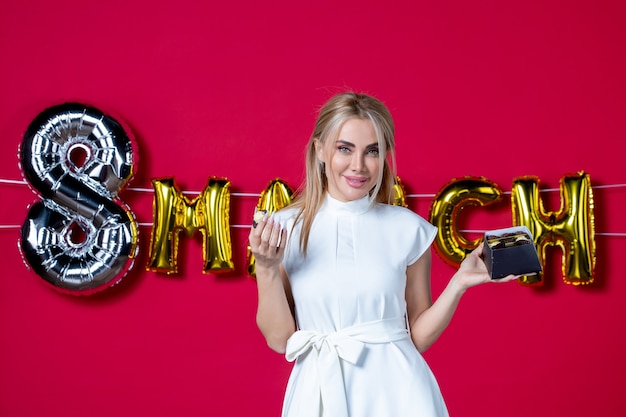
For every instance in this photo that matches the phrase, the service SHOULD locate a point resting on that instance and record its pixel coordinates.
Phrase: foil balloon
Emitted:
(275, 196)
(571, 228)
(450, 245)
(399, 194)
(81, 237)
(208, 213)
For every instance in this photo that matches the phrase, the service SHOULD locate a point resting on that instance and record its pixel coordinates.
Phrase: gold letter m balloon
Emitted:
(209, 213)
(571, 228)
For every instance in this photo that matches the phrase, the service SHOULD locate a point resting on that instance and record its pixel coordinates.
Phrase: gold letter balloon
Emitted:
(275, 196)
(450, 245)
(399, 194)
(571, 228)
(173, 213)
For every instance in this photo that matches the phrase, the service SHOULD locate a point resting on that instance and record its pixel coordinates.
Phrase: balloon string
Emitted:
(245, 226)
(429, 195)
(596, 233)
(21, 182)
(137, 189)
(151, 190)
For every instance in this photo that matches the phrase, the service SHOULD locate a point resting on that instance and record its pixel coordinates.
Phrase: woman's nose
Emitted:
(357, 162)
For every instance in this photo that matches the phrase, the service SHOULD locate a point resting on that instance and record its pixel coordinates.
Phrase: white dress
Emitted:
(354, 355)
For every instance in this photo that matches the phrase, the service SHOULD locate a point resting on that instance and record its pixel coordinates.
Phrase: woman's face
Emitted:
(352, 161)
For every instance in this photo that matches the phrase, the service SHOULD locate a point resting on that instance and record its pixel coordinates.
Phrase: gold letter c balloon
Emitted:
(451, 246)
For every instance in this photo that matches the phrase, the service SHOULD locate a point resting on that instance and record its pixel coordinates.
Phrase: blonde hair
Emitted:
(332, 116)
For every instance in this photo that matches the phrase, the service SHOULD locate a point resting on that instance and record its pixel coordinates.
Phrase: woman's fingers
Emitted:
(267, 237)
(272, 233)
(508, 278)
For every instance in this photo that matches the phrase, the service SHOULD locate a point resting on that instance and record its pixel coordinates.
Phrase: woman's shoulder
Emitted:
(286, 213)
(406, 228)
(392, 210)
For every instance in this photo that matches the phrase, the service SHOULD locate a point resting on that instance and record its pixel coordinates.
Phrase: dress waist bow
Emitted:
(329, 349)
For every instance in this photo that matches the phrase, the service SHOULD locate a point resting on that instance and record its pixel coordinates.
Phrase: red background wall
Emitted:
(231, 89)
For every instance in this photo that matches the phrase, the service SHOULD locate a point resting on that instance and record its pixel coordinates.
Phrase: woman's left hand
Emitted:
(473, 271)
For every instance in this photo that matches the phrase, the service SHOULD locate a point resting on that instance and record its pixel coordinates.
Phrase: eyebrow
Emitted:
(345, 142)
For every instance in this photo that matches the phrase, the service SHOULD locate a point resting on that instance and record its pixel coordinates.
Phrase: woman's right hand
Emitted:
(267, 242)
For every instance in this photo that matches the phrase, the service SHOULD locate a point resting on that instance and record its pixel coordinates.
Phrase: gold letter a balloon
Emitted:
(276, 196)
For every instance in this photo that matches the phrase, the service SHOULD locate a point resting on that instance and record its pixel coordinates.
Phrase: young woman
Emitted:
(344, 277)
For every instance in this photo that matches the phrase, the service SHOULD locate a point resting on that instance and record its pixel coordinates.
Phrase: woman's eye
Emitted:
(343, 149)
(373, 152)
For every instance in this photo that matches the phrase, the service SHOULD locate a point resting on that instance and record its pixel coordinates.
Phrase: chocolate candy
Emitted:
(258, 216)
(507, 240)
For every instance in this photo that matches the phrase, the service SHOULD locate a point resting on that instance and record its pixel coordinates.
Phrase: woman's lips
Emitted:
(356, 182)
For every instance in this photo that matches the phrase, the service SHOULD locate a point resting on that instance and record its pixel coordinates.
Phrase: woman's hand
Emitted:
(267, 241)
(473, 271)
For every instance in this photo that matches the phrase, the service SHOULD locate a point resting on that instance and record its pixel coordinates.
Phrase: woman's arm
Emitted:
(428, 320)
(275, 316)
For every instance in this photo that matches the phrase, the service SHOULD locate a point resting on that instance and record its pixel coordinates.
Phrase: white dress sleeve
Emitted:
(420, 235)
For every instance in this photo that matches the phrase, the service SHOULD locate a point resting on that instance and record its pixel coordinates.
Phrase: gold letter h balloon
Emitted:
(571, 228)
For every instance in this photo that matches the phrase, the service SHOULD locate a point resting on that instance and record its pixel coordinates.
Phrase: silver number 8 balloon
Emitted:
(80, 238)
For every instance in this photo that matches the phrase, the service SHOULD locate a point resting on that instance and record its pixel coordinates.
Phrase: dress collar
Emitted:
(354, 207)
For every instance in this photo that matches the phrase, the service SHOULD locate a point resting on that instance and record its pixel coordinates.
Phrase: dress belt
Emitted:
(328, 350)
